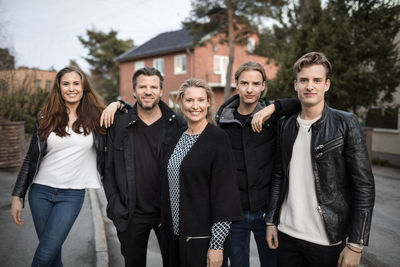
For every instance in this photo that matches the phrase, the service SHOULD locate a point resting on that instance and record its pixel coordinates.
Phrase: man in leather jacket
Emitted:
(323, 189)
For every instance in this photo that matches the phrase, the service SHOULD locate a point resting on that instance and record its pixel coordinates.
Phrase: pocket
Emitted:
(196, 250)
(329, 146)
(115, 208)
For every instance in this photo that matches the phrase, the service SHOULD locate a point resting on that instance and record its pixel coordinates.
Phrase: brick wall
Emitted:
(12, 144)
(200, 64)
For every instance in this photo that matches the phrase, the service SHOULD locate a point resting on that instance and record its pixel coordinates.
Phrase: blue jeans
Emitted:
(239, 241)
(54, 211)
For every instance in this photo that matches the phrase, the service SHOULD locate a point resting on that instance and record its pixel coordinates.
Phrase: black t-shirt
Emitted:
(146, 144)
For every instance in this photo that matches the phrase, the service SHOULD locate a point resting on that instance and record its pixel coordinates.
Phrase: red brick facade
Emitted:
(199, 64)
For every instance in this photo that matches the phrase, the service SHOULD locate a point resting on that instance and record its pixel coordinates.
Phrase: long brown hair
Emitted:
(54, 114)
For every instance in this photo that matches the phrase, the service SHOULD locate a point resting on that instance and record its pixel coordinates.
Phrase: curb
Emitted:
(100, 240)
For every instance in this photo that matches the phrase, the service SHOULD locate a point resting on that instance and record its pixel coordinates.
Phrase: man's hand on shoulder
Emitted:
(261, 116)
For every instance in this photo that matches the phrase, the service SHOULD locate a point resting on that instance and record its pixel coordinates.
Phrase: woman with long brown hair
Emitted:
(65, 156)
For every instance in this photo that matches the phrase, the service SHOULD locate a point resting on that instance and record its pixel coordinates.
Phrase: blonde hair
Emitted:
(199, 84)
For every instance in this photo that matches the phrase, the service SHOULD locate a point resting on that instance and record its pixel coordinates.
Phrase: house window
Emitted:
(180, 64)
(158, 63)
(139, 65)
(48, 84)
(251, 45)
(38, 83)
(220, 64)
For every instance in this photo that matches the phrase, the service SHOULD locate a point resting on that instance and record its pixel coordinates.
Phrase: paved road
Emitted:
(18, 243)
(383, 250)
(384, 246)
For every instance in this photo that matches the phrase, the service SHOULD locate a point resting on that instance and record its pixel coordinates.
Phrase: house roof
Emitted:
(167, 42)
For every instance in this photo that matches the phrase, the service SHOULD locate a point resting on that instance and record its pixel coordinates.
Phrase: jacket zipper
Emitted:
(330, 142)
(326, 151)
(38, 160)
(363, 228)
(197, 237)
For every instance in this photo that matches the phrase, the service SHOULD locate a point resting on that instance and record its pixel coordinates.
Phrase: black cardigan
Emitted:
(208, 192)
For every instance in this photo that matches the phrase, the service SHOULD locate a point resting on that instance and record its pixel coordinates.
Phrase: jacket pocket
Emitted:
(329, 146)
(196, 250)
(115, 208)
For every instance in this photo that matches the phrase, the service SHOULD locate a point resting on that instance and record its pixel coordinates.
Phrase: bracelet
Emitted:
(352, 249)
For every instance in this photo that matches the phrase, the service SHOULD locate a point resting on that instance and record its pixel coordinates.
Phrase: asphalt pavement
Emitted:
(93, 240)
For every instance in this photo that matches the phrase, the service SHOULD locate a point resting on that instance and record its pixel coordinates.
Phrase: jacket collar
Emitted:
(167, 113)
(319, 123)
(225, 113)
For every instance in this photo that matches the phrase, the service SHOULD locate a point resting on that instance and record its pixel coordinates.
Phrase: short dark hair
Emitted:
(312, 58)
(147, 71)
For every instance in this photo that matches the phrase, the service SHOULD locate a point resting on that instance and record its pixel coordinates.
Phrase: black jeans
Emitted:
(299, 253)
(134, 240)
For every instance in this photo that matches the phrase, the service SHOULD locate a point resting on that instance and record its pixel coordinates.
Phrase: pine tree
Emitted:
(358, 37)
(232, 19)
(103, 49)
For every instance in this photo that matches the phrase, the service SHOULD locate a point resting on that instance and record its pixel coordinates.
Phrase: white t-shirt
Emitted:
(299, 215)
(69, 162)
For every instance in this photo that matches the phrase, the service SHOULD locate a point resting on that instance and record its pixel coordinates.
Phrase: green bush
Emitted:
(22, 106)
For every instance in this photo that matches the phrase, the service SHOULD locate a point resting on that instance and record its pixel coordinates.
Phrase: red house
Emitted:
(174, 54)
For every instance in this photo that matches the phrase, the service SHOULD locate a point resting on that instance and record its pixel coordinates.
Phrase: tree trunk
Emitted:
(231, 44)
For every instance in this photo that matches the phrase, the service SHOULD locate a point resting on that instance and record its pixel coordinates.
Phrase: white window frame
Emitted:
(220, 64)
(251, 44)
(139, 65)
(158, 63)
(180, 64)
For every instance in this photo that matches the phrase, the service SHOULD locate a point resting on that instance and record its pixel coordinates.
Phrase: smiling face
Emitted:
(195, 104)
(147, 91)
(311, 84)
(250, 84)
(71, 88)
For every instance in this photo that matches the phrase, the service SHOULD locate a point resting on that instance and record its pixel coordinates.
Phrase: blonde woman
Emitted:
(200, 195)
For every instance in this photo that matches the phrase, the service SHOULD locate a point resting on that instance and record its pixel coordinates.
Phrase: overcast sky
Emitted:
(43, 33)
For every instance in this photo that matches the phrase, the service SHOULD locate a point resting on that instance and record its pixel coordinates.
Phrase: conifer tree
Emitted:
(358, 37)
(237, 20)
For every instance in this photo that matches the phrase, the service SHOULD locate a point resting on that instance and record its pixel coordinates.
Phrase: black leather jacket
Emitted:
(35, 154)
(344, 182)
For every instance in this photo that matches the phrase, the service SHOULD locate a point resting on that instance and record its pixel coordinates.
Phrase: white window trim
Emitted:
(220, 63)
(251, 44)
(175, 64)
(159, 59)
(137, 63)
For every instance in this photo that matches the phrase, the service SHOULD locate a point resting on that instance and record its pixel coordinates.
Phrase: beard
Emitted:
(148, 107)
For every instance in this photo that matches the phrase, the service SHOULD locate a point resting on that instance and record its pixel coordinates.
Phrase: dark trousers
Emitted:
(134, 240)
(299, 253)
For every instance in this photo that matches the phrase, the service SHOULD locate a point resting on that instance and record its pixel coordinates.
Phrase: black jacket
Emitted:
(119, 178)
(254, 164)
(207, 195)
(344, 182)
(35, 154)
